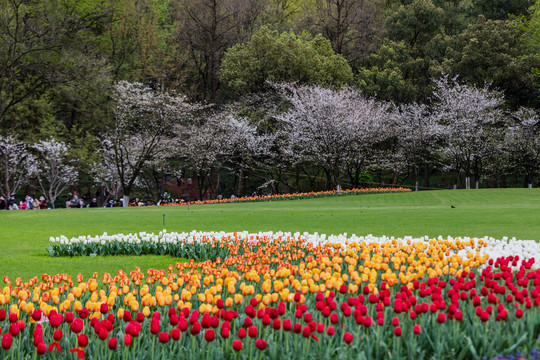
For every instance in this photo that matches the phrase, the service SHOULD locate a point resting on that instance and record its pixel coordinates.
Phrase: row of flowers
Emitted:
(199, 245)
(295, 196)
(287, 297)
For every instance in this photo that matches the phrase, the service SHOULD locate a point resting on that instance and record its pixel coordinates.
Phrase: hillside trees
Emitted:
(45, 45)
(273, 57)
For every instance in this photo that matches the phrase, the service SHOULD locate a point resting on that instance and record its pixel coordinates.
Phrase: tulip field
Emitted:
(278, 295)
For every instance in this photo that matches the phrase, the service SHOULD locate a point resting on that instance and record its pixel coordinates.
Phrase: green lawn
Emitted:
(24, 235)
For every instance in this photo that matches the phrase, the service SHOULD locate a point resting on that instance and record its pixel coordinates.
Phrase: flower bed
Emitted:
(288, 297)
(198, 245)
(295, 196)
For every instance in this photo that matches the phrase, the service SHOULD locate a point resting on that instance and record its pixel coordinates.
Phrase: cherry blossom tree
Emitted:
(467, 115)
(333, 129)
(203, 145)
(248, 147)
(54, 170)
(522, 142)
(17, 165)
(417, 134)
(143, 119)
(105, 173)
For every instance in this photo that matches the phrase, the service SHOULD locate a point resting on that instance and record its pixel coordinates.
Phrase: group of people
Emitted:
(28, 203)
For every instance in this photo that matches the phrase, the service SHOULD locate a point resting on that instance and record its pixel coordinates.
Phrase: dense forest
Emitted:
(243, 96)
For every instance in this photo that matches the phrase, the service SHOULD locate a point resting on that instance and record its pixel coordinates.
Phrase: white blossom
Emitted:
(17, 165)
(54, 170)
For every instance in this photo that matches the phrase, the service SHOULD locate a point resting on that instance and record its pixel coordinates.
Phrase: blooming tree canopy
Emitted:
(333, 129)
(54, 170)
(143, 118)
(17, 165)
(467, 115)
(522, 142)
(417, 132)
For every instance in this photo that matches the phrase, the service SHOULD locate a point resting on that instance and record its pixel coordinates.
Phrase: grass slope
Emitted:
(24, 235)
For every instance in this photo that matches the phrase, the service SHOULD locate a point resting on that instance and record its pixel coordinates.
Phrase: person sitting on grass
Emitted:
(12, 203)
(42, 203)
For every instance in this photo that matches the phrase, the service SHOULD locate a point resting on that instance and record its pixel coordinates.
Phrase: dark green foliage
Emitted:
(490, 51)
(500, 9)
(273, 57)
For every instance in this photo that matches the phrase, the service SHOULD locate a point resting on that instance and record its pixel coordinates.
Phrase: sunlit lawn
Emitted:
(24, 235)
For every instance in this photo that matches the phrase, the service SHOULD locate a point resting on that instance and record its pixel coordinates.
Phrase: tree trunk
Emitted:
(125, 201)
(240, 188)
(426, 172)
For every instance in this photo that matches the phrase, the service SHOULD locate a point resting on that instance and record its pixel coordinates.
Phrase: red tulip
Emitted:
(41, 348)
(2, 314)
(7, 340)
(209, 335)
(163, 337)
(57, 336)
(12, 317)
(154, 327)
(36, 315)
(260, 344)
(237, 345)
(368, 321)
(127, 316)
(330, 331)
(348, 337)
(182, 324)
(69, 317)
(242, 333)
(206, 321)
(127, 340)
(287, 324)
(113, 343)
(441, 318)
(77, 325)
(252, 332)
(14, 329)
(82, 339)
(220, 304)
(397, 331)
(103, 333)
(519, 313)
(196, 328)
(84, 313)
(104, 308)
(417, 329)
(21, 325)
(175, 334)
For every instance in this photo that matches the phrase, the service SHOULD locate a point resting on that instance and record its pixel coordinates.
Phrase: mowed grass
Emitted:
(24, 235)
